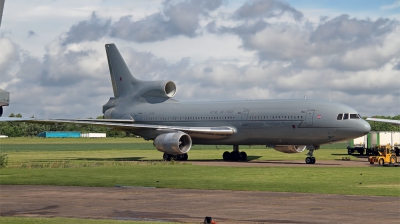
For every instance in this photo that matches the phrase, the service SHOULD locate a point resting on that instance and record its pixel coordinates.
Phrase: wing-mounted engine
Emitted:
(174, 143)
(290, 148)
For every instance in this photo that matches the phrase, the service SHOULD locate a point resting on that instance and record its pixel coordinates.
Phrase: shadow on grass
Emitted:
(94, 159)
(249, 158)
(111, 159)
(342, 154)
(352, 155)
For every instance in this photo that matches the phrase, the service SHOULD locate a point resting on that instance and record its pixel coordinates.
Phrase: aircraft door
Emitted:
(245, 115)
(309, 117)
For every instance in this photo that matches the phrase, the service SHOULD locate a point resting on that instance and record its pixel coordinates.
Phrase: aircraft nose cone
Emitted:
(364, 127)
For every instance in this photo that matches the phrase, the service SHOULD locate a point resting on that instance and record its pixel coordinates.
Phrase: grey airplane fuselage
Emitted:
(256, 122)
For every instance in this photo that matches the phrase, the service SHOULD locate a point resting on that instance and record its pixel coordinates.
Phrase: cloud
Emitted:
(341, 43)
(257, 9)
(177, 18)
(351, 32)
(31, 33)
(394, 5)
(9, 55)
(88, 30)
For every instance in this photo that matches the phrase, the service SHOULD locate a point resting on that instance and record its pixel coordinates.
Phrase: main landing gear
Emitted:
(235, 155)
(310, 155)
(181, 157)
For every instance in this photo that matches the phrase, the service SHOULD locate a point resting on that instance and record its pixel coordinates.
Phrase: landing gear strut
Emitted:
(181, 157)
(235, 155)
(310, 155)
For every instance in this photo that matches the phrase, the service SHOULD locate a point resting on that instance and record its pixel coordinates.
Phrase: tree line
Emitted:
(21, 129)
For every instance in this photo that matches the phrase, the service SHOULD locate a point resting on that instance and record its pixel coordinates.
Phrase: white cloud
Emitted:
(394, 5)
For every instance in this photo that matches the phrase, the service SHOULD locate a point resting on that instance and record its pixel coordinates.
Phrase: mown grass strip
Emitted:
(337, 180)
(68, 144)
(16, 158)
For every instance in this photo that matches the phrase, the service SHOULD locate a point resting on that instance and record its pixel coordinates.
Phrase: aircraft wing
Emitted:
(126, 125)
(393, 122)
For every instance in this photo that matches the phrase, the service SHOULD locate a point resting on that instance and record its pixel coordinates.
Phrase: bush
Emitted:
(3, 160)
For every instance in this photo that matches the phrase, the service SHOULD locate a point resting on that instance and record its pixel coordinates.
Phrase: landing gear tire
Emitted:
(235, 156)
(243, 156)
(349, 151)
(166, 157)
(185, 157)
(226, 156)
(310, 160)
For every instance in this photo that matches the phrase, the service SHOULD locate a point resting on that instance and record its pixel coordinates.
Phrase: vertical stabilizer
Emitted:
(121, 77)
(1, 9)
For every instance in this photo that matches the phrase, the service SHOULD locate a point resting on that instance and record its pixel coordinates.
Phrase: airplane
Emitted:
(148, 109)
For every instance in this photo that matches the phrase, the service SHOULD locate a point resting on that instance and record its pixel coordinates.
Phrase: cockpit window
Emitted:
(346, 116)
(354, 116)
(339, 116)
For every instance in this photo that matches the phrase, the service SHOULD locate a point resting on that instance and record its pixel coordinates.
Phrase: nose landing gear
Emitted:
(310, 155)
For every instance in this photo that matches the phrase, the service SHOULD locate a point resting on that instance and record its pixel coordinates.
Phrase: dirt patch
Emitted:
(287, 163)
(183, 205)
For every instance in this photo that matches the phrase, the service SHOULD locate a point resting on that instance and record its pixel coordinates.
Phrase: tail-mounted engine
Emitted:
(174, 143)
(164, 89)
(290, 148)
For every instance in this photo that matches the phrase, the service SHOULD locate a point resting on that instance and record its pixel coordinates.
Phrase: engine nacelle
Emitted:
(159, 89)
(290, 148)
(174, 143)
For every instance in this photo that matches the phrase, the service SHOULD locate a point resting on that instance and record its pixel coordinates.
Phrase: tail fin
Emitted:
(121, 77)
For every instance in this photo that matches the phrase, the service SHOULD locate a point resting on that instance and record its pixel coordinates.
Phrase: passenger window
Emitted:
(346, 116)
(354, 116)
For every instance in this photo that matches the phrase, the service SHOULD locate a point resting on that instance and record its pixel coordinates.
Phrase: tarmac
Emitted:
(192, 206)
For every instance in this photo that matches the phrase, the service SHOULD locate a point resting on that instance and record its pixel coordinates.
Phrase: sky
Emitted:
(53, 61)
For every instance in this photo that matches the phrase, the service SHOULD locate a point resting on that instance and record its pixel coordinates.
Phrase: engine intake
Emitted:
(174, 143)
(290, 148)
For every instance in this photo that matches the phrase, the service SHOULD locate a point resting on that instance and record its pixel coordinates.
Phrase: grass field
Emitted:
(134, 162)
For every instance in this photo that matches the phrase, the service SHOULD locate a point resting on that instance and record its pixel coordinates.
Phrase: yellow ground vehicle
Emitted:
(385, 155)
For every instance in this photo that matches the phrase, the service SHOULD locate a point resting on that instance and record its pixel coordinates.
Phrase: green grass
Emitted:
(337, 180)
(16, 158)
(69, 144)
(108, 162)
(25, 220)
